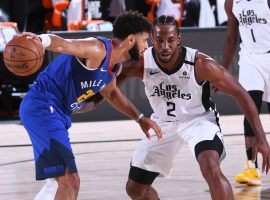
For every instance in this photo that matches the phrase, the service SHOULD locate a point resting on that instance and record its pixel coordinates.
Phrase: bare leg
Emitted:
(68, 186)
(219, 186)
(138, 191)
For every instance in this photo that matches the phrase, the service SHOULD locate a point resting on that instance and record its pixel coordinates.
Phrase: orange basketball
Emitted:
(23, 56)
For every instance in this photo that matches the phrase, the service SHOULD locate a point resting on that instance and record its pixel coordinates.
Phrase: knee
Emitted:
(135, 190)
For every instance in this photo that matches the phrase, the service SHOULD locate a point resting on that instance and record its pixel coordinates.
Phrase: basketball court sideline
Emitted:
(103, 151)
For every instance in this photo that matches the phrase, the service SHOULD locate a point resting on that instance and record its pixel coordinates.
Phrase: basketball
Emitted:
(23, 56)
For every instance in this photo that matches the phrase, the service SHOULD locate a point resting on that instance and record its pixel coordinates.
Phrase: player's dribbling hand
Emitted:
(147, 124)
(31, 36)
(263, 148)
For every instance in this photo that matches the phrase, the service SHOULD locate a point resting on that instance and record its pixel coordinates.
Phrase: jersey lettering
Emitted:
(248, 17)
(89, 84)
(169, 92)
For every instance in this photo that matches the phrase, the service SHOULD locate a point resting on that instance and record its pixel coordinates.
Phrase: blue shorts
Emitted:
(47, 128)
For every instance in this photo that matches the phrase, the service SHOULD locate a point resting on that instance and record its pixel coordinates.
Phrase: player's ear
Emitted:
(131, 40)
(179, 38)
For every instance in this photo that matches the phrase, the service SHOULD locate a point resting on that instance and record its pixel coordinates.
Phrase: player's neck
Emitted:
(118, 53)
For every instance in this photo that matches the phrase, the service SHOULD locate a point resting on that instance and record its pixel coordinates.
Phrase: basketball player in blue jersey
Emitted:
(85, 67)
(251, 21)
(176, 80)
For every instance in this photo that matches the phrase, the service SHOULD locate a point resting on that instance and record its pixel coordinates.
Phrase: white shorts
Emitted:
(254, 72)
(157, 156)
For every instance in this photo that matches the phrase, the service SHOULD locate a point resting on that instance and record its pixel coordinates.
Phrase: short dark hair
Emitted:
(165, 19)
(130, 22)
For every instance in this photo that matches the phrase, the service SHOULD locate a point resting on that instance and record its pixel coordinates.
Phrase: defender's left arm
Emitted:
(208, 69)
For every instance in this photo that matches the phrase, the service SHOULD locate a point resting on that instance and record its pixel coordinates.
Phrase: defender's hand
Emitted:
(263, 148)
(147, 124)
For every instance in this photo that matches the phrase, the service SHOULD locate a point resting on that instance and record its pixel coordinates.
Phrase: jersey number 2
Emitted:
(171, 109)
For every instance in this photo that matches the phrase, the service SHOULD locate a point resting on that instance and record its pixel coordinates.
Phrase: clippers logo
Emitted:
(249, 17)
(169, 92)
(184, 75)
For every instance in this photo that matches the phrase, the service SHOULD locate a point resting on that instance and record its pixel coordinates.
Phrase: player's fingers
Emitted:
(157, 131)
(265, 158)
(147, 135)
(17, 35)
(30, 35)
(268, 163)
(27, 34)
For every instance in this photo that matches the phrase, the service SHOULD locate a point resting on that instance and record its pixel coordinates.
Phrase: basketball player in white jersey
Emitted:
(250, 18)
(177, 85)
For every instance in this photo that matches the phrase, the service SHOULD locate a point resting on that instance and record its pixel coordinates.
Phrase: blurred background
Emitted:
(202, 22)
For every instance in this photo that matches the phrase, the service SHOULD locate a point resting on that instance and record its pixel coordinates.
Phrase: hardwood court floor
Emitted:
(103, 151)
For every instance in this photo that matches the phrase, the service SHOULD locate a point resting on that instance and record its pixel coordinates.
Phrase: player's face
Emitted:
(165, 41)
(139, 46)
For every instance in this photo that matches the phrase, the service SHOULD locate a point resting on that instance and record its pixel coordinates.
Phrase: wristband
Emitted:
(140, 116)
(45, 40)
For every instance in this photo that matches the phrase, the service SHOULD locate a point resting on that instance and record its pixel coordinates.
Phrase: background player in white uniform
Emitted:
(177, 85)
(252, 20)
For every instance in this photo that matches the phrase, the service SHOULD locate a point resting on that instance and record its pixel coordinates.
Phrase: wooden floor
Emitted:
(103, 151)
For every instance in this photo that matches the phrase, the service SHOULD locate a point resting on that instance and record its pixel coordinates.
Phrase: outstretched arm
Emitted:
(90, 48)
(209, 69)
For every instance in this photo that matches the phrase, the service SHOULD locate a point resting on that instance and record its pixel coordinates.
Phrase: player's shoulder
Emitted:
(189, 50)
(96, 42)
(202, 59)
(189, 54)
(95, 47)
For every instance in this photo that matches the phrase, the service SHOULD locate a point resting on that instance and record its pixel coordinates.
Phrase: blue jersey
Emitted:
(67, 83)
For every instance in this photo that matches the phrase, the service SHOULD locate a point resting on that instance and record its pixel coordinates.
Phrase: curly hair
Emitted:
(130, 22)
(164, 19)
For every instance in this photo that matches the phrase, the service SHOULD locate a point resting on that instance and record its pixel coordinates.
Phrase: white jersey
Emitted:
(176, 96)
(254, 24)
